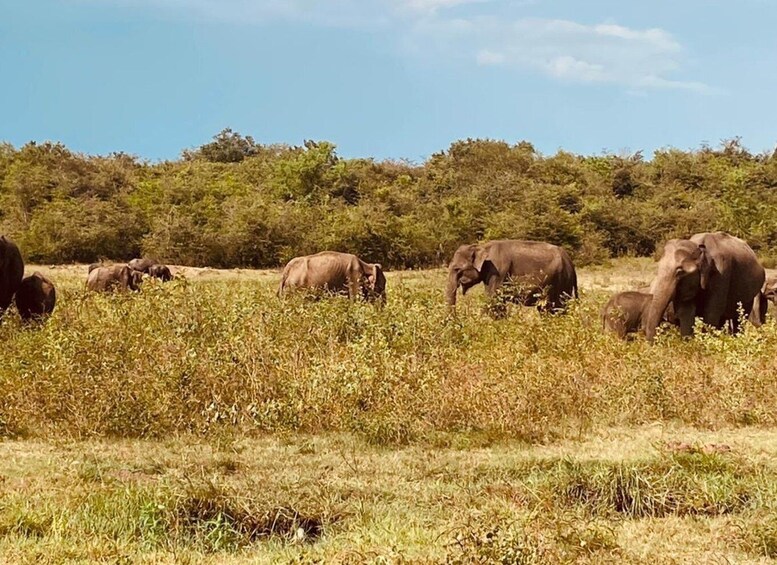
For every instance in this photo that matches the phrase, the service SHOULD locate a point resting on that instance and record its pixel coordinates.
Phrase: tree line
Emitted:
(234, 202)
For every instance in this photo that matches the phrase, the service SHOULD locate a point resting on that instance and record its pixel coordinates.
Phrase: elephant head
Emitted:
(684, 271)
(770, 290)
(130, 278)
(161, 272)
(375, 280)
(466, 269)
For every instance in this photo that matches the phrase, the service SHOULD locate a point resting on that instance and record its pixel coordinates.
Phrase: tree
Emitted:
(227, 147)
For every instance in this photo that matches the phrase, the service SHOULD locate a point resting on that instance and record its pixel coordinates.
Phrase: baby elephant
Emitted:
(35, 298)
(626, 312)
(107, 279)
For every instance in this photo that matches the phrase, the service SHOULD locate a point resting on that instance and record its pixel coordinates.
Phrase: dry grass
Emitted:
(221, 354)
(334, 498)
(205, 421)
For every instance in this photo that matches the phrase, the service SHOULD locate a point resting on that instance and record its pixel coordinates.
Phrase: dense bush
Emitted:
(234, 202)
(206, 354)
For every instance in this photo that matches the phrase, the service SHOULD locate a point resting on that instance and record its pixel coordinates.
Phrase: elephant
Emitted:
(11, 272)
(107, 279)
(93, 266)
(161, 272)
(332, 271)
(710, 275)
(152, 268)
(760, 307)
(543, 274)
(142, 265)
(770, 289)
(761, 303)
(626, 312)
(36, 297)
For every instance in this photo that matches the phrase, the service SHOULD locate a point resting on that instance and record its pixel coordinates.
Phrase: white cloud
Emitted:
(564, 50)
(567, 67)
(486, 57)
(432, 6)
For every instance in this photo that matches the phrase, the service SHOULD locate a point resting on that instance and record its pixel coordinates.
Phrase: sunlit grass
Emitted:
(211, 357)
(206, 421)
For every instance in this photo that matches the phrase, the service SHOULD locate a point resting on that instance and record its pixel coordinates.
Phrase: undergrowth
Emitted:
(214, 358)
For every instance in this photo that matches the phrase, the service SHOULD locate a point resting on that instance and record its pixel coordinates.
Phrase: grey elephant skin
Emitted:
(543, 273)
(770, 289)
(11, 272)
(335, 272)
(152, 268)
(36, 297)
(116, 277)
(710, 275)
(626, 312)
(761, 304)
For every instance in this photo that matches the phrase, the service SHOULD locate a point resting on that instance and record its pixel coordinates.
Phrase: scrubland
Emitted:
(206, 421)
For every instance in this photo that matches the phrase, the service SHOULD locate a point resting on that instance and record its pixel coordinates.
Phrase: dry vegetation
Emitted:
(205, 421)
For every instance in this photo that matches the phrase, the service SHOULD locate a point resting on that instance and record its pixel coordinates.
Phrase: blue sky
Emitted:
(388, 78)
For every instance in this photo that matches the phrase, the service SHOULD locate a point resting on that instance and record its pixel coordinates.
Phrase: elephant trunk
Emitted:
(451, 288)
(662, 295)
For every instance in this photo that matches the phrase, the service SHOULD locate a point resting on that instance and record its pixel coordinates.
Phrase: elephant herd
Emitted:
(106, 278)
(712, 276)
(35, 295)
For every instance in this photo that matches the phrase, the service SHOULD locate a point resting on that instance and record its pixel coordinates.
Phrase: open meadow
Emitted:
(205, 421)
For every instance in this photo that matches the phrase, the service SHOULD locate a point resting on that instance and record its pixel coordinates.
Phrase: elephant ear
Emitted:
(480, 256)
(706, 267)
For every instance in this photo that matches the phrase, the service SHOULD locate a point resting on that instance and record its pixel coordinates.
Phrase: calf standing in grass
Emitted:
(36, 298)
(625, 312)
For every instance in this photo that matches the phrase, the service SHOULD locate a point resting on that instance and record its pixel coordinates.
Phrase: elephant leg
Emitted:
(715, 303)
(555, 300)
(354, 286)
(497, 307)
(686, 313)
(493, 283)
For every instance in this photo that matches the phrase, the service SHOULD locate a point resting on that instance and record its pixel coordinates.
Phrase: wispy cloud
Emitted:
(564, 50)
(433, 6)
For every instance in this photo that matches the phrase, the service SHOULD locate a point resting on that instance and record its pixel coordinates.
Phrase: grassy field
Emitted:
(205, 421)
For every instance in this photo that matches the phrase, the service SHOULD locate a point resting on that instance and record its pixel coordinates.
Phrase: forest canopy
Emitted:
(234, 202)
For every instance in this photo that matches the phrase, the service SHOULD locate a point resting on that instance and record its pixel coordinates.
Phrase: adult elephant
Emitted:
(36, 297)
(332, 271)
(542, 274)
(11, 272)
(710, 275)
(152, 268)
(116, 277)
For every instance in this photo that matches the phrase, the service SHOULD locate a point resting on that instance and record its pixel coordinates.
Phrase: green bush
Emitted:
(236, 203)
